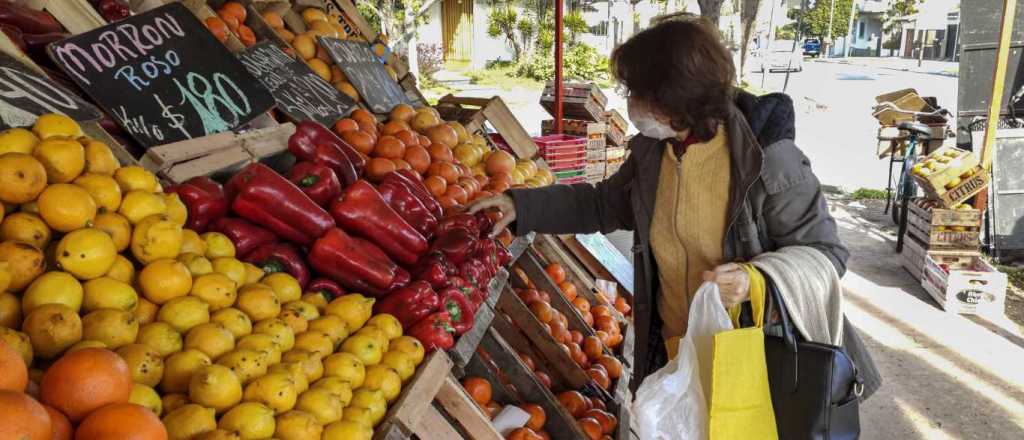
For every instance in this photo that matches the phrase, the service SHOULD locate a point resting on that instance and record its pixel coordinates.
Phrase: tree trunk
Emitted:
(748, 18)
(411, 51)
(711, 9)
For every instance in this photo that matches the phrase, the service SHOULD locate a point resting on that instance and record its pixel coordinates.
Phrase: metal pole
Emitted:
(799, 36)
(849, 37)
(558, 67)
(920, 47)
(766, 50)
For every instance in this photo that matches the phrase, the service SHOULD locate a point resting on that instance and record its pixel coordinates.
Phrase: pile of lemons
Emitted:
(93, 254)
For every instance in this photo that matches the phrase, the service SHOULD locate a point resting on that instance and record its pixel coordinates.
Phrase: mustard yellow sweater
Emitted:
(688, 227)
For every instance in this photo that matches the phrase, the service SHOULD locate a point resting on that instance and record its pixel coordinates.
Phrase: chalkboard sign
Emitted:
(366, 73)
(25, 94)
(299, 92)
(163, 76)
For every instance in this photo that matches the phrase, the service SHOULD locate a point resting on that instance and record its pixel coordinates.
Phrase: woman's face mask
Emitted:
(646, 123)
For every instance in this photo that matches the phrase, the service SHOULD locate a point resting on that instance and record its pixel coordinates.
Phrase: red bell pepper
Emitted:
(434, 332)
(407, 205)
(415, 184)
(266, 198)
(245, 235)
(459, 308)
(112, 10)
(475, 271)
(504, 256)
(280, 257)
(329, 289)
(362, 210)
(475, 295)
(457, 244)
(316, 180)
(313, 142)
(410, 304)
(204, 199)
(356, 264)
(465, 221)
(435, 269)
(487, 251)
(484, 222)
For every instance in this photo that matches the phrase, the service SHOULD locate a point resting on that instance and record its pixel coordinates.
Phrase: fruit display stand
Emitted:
(477, 113)
(949, 237)
(552, 250)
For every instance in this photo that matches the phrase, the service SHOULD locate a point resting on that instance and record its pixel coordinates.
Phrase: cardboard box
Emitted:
(979, 289)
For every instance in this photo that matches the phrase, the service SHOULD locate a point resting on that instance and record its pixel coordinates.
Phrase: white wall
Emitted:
(430, 33)
(486, 48)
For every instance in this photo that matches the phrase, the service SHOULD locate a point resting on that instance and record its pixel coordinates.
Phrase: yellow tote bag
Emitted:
(741, 402)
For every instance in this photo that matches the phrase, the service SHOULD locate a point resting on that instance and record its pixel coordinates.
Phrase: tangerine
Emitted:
(121, 421)
(345, 124)
(22, 417)
(84, 380)
(389, 147)
(379, 167)
(360, 140)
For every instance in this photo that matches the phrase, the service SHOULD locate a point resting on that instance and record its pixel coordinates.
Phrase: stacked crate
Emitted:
(565, 155)
(604, 131)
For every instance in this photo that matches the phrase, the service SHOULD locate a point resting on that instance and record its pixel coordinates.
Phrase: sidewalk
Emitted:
(943, 68)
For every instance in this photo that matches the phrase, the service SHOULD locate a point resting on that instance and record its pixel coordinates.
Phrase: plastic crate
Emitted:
(560, 144)
(572, 180)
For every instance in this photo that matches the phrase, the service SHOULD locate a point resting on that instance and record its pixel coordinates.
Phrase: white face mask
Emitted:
(646, 123)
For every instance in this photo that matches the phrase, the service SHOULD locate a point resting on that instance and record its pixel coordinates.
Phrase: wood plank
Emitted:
(390, 431)
(259, 142)
(495, 287)
(416, 396)
(77, 16)
(521, 344)
(603, 261)
(207, 165)
(519, 245)
(457, 403)
(554, 251)
(465, 348)
(530, 264)
(434, 426)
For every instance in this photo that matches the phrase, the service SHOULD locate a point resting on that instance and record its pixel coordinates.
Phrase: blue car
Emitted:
(812, 47)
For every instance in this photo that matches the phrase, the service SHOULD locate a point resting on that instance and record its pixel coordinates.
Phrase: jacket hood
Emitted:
(771, 117)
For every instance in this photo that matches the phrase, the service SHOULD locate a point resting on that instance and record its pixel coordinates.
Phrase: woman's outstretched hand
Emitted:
(733, 283)
(503, 204)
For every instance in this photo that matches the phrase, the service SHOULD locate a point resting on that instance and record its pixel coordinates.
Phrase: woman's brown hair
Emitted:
(681, 68)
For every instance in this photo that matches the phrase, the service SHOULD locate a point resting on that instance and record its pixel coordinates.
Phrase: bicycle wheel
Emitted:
(904, 207)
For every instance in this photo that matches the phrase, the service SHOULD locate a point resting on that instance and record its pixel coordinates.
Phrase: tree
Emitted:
(891, 22)
(502, 22)
(711, 9)
(816, 19)
(748, 17)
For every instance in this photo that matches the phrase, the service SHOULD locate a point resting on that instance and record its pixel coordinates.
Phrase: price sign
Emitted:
(299, 92)
(25, 94)
(162, 76)
(366, 73)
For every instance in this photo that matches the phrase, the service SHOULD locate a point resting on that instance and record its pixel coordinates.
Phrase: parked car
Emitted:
(783, 56)
(812, 47)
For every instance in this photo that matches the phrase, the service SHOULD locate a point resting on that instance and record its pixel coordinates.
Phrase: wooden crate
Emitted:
(977, 288)
(76, 16)
(476, 113)
(465, 347)
(596, 253)
(957, 175)
(945, 228)
(617, 128)
(915, 252)
(579, 101)
(552, 250)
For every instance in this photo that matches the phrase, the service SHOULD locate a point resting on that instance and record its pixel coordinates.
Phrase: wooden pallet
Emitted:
(476, 113)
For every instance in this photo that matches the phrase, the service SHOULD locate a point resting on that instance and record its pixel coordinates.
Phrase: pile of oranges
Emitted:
(318, 24)
(479, 389)
(590, 413)
(230, 19)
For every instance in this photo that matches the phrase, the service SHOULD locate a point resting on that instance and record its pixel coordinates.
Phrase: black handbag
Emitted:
(815, 387)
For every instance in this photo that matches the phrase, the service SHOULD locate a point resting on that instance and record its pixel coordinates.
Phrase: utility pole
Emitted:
(920, 47)
(766, 50)
(849, 37)
(831, 14)
(799, 36)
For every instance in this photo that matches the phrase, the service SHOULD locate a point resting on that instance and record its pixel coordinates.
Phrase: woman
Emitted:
(713, 178)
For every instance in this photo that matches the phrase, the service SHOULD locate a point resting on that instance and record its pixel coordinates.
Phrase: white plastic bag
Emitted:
(670, 403)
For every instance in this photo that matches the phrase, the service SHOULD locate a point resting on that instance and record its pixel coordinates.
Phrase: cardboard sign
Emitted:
(300, 93)
(366, 73)
(26, 94)
(163, 76)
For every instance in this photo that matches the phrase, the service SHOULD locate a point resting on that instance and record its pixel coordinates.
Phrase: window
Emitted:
(860, 31)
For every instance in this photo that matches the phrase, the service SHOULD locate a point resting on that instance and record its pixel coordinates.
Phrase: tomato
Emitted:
(479, 389)
(537, 416)
(218, 28)
(556, 272)
(575, 403)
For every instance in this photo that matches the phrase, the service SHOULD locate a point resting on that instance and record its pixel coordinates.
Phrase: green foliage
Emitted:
(581, 62)
(370, 15)
(787, 32)
(573, 25)
(898, 9)
(868, 194)
(815, 20)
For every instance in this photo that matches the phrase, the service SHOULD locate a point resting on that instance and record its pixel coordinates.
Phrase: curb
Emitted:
(897, 69)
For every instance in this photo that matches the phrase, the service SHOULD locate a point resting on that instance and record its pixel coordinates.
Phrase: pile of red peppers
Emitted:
(335, 232)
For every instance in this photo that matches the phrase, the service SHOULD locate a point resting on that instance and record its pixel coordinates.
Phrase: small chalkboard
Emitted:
(299, 92)
(366, 73)
(26, 94)
(163, 76)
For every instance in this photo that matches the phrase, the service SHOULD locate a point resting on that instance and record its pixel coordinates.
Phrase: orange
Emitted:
(84, 380)
(363, 117)
(60, 426)
(273, 19)
(246, 35)
(22, 417)
(389, 147)
(417, 157)
(537, 416)
(393, 127)
(402, 112)
(235, 9)
(122, 421)
(15, 376)
(229, 19)
(217, 27)
(443, 134)
(359, 140)
(458, 193)
(345, 124)
(479, 389)
(436, 185)
(440, 152)
(444, 169)
(379, 167)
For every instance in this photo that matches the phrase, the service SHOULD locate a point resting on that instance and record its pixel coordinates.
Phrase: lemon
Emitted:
(5, 276)
(112, 327)
(297, 425)
(137, 205)
(117, 227)
(171, 402)
(25, 227)
(123, 270)
(22, 178)
(85, 343)
(23, 262)
(382, 378)
(377, 335)
(311, 363)
(315, 341)
(388, 323)
(347, 367)
(331, 325)
(263, 344)
(86, 253)
(371, 400)
(161, 337)
(276, 390)
(164, 280)
(215, 386)
(216, 289)
(197, 264)
(179, 368)
(63, 159)
(56, 125)
(336, 386)
(184, 313)
(108, 293)
(277, 329)
(144, 362)
(285, 286)
(99, 159)
(317, 299)
(364, 347)
(52, 328)
(293, 369)
(135, 178)
(401, 362)
(191, 243)
(65, 207)
(347, 430)
(253, 274)
(411, 346)
(234, 320)
(231, 267)
(304, 309)
(218, 245)
(53, 288)
(156, 237)
(220, 434)
(358, 415)
(250, 420)
(145, 312)
(354, 309)
(259, 303)
(246, 364)
(176, 209)
(10, 310)
(321, 403)
(210, 338)
(19, 341)
(103, 189)
(189, 421)
(17, 140)
(146, 397)
(295, 321)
